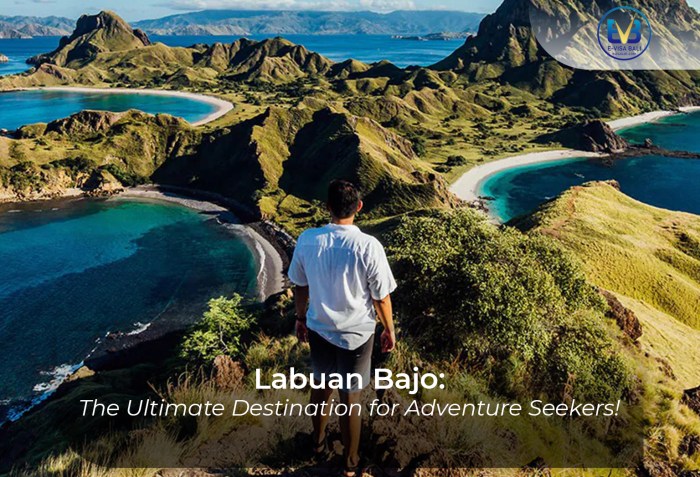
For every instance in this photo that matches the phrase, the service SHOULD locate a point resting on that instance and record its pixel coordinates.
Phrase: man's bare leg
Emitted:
(351, 428)
(320, 421)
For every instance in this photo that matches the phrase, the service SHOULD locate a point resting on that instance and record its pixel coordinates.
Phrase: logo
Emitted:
(624, 33)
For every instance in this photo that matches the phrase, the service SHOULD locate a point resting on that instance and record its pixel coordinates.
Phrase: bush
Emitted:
(75, 165)
(25, 177)
(219, 332)
(512, 308)
(128, 179)
(454, 161)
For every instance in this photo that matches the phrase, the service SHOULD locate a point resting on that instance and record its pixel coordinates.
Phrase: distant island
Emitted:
(252, 22)
(266, 22)
(443, 36)
(18, 27)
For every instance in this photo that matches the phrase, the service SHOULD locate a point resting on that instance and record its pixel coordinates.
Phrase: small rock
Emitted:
(538, 467)
(625, 318)
(691, 398)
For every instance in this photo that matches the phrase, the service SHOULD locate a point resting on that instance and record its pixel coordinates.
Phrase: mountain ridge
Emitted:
(30, 26)
(250, 22)
(270, 22)
(506, 49)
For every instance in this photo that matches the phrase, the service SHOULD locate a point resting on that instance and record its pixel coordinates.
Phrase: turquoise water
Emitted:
(72, 271)
(666, 182)
(18, 108)
(367, 48)
(680, 132)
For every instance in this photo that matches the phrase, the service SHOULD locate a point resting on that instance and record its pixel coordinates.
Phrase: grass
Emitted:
(629, 247)
(668, 340)
(648, 257)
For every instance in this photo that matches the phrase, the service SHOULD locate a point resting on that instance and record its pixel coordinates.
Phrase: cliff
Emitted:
(506, 49)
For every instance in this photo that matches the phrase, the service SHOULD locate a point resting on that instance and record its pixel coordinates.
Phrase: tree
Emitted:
(219, 332)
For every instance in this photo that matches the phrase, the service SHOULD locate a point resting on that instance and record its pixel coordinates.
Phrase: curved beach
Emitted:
(270, 266)
(468, 185)
(222, 106)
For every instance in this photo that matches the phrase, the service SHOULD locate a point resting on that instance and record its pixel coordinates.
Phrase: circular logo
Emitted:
(624, 33)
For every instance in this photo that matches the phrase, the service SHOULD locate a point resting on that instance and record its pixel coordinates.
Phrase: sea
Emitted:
(29, 107)
(366, 48)
(75, 270)
(655, 180)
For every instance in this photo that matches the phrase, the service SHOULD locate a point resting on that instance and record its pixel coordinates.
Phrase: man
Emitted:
(343, 282)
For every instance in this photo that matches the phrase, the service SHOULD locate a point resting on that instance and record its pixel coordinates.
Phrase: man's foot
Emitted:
(351, 470)
(321, 449)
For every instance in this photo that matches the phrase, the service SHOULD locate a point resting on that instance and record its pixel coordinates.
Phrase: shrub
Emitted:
(129, 179)
(454, 161)
(219, 332)
(25, 177)
(514, 309)
(75, 165)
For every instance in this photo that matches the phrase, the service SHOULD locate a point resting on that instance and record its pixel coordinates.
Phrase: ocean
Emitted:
(654, 180)
(29, 107)
(75, 270)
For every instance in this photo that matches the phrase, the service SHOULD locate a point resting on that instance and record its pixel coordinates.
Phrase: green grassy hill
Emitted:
(649, 258)
(645, 253)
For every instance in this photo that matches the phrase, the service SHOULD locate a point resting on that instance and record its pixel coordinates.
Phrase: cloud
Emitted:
(387, 5)
(324, 5)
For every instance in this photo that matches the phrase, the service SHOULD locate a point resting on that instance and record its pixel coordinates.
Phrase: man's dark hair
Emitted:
(343, 198)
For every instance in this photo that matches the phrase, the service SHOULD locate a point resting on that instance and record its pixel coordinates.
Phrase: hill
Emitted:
(104, 49)
(252, 22)
(93, 34)
(507, 50)
(649, 256)
(28, 27)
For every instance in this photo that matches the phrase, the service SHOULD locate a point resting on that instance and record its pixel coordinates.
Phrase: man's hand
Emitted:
(301, 302)
(388, 340)
(302, 331)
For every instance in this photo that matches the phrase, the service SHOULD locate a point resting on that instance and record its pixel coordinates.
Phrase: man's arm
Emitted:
(301, 302)
(384, 312)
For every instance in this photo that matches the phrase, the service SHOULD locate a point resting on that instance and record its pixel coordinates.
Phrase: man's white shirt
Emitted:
(344, 269)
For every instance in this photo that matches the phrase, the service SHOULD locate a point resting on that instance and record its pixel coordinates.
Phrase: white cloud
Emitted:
(387, 5)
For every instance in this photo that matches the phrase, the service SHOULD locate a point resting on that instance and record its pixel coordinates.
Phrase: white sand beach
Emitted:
(468, 185)
(632, 121)
(222, 106)
(270, 266)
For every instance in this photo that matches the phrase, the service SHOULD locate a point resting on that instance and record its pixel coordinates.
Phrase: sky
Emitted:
(133, 10)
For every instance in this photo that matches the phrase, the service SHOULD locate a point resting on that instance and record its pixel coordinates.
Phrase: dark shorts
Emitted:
(327, 358)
